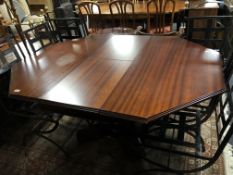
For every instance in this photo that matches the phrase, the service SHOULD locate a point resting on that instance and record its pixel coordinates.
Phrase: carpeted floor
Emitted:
(99, 156)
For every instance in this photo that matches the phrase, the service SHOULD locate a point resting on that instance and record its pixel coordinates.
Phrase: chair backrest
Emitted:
(89, 7)
(122, 13)
(156, 12)
(39, 36)
(208, 8)
(68, 28)
(93, 11)
(210, 31)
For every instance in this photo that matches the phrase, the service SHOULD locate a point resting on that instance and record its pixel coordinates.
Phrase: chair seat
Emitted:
(167, 29)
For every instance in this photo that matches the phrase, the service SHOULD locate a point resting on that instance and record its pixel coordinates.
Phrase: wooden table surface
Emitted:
(127, 76)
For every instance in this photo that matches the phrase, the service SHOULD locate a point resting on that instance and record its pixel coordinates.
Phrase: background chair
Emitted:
(123, 16)
(158, 21)
(91, 11)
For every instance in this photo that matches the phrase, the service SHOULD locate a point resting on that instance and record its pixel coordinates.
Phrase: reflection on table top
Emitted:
(133, 77)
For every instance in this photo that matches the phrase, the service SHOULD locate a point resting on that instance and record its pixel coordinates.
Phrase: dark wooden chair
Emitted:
(92, 11)
(39, 37)
(158, 21)
(123, 16)
(68, 28)
(210, 31)
(205, 8)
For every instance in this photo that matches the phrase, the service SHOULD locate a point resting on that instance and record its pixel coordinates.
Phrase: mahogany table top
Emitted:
(127, 76)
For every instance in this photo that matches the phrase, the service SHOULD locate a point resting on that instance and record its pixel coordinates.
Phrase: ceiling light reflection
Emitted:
(63, 94)
(123, 45)
(210, 55)
(65, 59)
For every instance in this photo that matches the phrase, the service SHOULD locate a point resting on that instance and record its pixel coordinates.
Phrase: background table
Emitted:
(132, 77)
(140, 6)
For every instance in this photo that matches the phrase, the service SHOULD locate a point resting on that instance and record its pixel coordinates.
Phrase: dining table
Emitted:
(128, 77)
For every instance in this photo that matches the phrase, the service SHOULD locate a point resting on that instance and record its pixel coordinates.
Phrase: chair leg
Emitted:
(22, 37)
(37, 130)
(181, 130)
(198, 134)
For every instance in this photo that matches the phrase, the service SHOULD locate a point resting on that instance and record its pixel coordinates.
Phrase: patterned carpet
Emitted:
(99, 156)
(228, 158)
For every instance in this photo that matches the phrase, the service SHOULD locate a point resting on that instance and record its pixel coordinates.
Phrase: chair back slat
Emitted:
(156, 15)
(210, 31)
(93, 11)
(213, 32)
(122, 11)
(39, 37)
(68, 28)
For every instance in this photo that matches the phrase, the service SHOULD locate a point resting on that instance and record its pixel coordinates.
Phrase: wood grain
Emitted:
(171, 73)
(35, 76)
(88, 86)
(133, 77)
